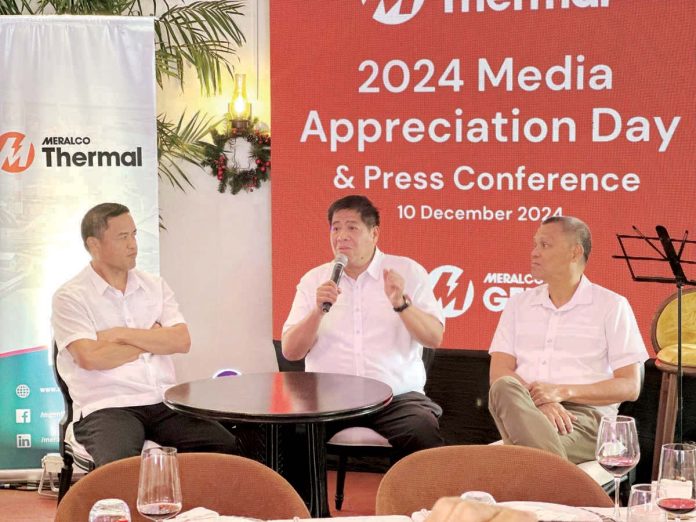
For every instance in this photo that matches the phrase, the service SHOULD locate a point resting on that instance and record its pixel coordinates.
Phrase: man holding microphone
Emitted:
(372, 321)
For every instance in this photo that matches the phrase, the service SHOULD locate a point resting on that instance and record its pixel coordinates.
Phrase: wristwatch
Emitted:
(407, 303)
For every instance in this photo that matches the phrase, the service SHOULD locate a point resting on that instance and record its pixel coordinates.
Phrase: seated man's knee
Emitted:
(423, 431)
(501, 389)
(503, 385)
(224, 442)
(231, 445)
(103, 456)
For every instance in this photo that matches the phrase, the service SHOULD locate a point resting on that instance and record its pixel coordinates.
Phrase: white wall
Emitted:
(216, 251)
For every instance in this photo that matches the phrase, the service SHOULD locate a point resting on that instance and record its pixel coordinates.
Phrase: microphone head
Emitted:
(341, 259)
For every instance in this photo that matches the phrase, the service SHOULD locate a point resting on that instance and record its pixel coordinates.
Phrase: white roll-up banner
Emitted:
(77, 128)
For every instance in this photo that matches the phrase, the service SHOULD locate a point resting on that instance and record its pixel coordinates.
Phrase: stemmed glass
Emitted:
(617, 450)
(675, 490)
(159, 489)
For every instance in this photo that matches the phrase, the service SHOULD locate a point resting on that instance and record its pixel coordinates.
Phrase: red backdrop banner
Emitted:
(467, 122)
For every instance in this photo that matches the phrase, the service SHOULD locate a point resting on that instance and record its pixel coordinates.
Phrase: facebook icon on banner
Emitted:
(23, 416)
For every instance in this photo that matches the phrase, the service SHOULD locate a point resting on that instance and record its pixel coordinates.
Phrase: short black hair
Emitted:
(577, 229)
(96, 219)
(368, 212)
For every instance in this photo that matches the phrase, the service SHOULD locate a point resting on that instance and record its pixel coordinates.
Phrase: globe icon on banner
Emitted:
(22, 391)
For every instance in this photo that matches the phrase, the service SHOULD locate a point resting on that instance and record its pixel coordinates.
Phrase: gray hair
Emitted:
(575, 228)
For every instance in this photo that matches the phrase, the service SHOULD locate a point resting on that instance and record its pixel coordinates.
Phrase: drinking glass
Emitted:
(617, 450)
(675, 490)
(159, 489)
(109, 510)
(642, 504)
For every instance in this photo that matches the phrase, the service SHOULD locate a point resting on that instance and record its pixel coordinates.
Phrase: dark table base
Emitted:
(312, 485)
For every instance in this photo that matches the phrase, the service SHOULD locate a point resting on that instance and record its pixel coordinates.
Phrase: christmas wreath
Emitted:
(225, 168)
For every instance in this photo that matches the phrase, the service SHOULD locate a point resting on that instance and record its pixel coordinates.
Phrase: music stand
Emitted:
(678, 278)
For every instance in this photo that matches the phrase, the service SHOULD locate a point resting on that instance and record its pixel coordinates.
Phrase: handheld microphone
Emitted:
(339, 264)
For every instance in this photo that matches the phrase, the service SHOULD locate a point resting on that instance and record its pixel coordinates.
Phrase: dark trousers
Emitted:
(116, 433)
(410, 422)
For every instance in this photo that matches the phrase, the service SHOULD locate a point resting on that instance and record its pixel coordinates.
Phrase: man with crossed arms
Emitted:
(116, 328)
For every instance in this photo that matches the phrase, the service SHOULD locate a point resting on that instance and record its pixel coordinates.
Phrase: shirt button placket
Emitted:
(357, 331)
(549, 345)
(127, 315)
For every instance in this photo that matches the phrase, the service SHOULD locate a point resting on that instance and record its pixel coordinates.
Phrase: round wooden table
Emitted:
(281, 398)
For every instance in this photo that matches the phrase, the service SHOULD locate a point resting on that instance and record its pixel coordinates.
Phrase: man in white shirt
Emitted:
(565, 353)
(383, 313)
(116, 329)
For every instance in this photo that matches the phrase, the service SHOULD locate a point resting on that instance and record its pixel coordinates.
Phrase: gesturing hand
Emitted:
(394, 287)
(558, 416)
(327, 293)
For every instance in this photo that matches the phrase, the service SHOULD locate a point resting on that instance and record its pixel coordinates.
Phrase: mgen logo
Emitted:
(16, 152)
(394, 12)
(452, 295)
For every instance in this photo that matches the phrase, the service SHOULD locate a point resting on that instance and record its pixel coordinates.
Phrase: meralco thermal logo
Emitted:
(454, 296)
(17, 153)
(56, 156)
(394, 12)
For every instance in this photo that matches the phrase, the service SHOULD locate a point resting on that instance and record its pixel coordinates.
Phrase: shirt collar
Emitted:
(582, 296)
(375, 267)
(132, 284)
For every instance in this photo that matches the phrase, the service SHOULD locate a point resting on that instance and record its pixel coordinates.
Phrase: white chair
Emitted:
(357, 442)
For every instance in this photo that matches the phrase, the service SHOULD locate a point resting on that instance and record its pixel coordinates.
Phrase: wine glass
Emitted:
(675, 490)
(617, 450)
(159, 489)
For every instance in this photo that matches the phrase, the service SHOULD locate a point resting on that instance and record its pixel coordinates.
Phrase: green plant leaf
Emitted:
(203, 35)
(182, 141)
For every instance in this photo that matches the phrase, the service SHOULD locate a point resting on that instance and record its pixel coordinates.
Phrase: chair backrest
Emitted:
(67, 402)
(506, 472)
(228, 484)
(663, 330)
(285, 365)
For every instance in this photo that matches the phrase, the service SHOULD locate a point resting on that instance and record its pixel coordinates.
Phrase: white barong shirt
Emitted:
(86, 305)
(362, 334)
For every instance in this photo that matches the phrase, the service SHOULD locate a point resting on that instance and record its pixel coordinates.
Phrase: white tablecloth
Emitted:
(204, 515)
